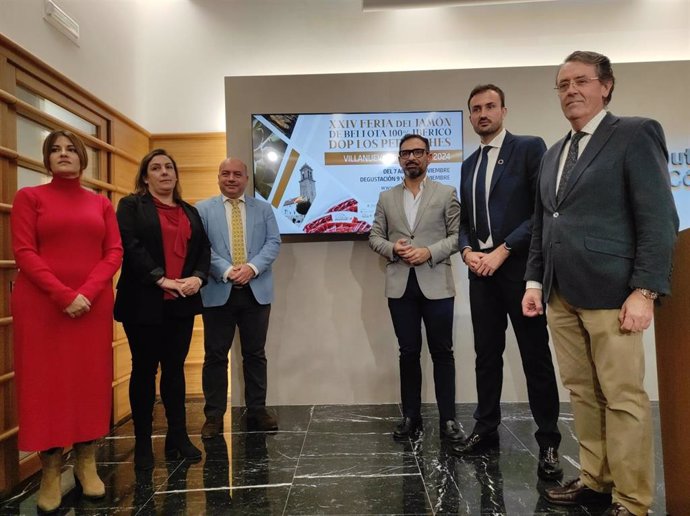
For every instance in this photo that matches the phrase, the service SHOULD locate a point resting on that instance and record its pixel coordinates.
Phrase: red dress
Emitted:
(66, 242)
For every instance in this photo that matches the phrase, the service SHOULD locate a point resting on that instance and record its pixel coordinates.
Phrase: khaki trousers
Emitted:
(603, 369)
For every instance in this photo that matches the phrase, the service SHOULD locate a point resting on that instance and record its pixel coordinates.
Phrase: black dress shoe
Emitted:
(549, 466)
(180, 447)
(450, 432)
(576, 492)
(476, 443)
(260, 420)
(408, 427)
(617, 509)
(212, 427)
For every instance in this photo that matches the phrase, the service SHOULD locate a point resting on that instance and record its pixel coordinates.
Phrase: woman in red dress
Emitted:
(67, 248)
(167, 257)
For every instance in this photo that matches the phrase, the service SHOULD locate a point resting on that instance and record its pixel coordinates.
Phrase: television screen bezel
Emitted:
(343, 237)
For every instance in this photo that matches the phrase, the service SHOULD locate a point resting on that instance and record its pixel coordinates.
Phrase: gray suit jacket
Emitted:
(436, 227)
(615, 227)
(263, 245)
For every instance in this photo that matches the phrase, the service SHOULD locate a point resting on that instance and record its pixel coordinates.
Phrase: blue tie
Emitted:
(482, 222)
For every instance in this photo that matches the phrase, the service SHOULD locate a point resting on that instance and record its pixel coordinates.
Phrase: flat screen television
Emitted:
(323, 173)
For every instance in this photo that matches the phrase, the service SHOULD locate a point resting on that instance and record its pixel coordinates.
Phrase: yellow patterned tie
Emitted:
(239, 255)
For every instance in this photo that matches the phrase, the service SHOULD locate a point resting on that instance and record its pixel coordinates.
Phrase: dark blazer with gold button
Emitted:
(615, 226)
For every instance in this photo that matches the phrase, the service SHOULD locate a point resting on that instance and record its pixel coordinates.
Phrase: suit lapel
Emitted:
(550, 171)
(250, 214)
(400, 203)
(221, 220)
(599, 138)
(467, 182)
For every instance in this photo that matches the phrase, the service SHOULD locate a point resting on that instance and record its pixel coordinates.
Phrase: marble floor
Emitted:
(327, 460)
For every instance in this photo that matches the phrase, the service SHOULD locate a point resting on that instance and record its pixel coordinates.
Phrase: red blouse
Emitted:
(176, 231)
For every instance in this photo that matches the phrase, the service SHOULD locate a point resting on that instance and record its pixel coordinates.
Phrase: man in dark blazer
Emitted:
(238, 295)
(416, 229)
(602, 242)
(497, 200)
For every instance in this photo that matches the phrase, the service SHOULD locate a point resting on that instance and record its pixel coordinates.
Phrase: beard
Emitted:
(414, 171)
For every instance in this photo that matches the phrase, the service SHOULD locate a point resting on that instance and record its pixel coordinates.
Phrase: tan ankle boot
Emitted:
(85, 470)
(50, 494)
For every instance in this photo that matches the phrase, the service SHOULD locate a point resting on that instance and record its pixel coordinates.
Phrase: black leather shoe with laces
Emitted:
(476, 443)
(450, 432)
(408, 427)
(549, 466)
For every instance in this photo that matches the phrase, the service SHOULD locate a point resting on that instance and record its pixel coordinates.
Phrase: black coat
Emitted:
(139, 300)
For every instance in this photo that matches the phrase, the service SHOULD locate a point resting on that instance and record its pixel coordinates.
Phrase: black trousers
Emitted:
(243, 311)
(166, 344)
(492, 300)
(407, 314)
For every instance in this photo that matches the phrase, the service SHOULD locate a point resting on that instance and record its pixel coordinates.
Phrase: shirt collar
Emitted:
(227, 199)
(592, 125)
(421, 185)
(497, 142)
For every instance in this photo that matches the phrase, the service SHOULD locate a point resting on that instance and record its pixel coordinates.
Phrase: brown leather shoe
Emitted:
(260, 420)
(617, 509)
(212, 427)
(576, 492)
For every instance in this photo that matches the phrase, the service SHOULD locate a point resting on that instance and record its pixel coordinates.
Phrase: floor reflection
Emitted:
(328, 460)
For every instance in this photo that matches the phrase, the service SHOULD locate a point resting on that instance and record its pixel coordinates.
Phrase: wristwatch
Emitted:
(648, 294)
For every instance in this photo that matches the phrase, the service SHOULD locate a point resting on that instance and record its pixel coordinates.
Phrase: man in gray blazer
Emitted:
(244, 243)
(416, 229)
(602, 242)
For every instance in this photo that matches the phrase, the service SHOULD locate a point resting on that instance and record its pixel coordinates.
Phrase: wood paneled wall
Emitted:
(197, 156)
(120, 144)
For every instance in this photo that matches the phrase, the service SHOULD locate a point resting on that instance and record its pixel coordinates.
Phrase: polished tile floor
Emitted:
(328, 460)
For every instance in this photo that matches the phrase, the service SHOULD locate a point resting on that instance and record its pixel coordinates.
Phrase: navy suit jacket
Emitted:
(511, 200)
(615, 226)
(263, 245)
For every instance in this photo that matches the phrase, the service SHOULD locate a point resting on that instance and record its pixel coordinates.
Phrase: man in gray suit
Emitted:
(602, 242)
(416, 229)
(244, 243)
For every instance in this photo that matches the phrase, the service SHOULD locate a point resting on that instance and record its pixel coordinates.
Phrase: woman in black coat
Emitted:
(166, 261)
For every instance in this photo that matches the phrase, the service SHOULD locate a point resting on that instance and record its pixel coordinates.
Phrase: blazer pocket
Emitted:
(612, 247)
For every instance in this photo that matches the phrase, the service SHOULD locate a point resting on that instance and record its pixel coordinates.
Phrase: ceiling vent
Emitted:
(62, 21)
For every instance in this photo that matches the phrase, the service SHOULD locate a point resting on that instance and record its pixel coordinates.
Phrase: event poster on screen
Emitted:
(323, 173)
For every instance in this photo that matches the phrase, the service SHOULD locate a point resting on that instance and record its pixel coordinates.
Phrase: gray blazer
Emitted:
(436, 227)
(263, 245)
(615, 227)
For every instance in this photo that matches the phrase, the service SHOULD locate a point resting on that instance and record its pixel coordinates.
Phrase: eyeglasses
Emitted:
(417, 153)
(578, 82)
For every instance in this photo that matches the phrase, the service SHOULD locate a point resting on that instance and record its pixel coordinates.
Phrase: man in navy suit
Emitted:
(497, 201)
(604, 229)
(245, 241)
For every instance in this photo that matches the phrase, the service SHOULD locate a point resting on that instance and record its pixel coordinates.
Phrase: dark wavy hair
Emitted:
(140, 186)
(76, 141)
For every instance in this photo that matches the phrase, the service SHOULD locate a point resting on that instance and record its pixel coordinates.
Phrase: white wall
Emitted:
(162, 62)
(331, 339)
